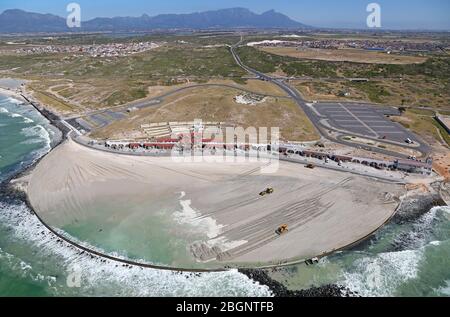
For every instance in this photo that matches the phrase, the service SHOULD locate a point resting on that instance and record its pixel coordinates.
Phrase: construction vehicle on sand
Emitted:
(267, 191)
(282, 230)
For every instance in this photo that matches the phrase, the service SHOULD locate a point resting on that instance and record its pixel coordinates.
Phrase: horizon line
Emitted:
(343, 28)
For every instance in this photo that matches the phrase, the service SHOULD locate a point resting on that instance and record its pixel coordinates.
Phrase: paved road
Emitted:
(314, 116)
(157, 100)
(103, 117)
(315, 119)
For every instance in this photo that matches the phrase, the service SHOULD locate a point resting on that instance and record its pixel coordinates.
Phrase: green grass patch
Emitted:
(374, 92)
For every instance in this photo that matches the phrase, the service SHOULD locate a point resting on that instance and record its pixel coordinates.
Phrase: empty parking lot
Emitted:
(366, 120)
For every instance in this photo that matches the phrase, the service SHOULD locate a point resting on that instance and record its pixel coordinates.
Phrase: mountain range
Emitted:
(19, 21)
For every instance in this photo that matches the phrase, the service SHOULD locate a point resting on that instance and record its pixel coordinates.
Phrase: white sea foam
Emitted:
(417, 236)
(27, 120)
(40, 132)
(112, 278)
(189, 215)
(207, 225)
(32, 141)
(381, 274)
(16, 115)
(15, 101)
(24, 268)
(445, 211)
(445, 291)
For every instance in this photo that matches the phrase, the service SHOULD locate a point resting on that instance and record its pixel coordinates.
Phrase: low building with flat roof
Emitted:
(411, 166)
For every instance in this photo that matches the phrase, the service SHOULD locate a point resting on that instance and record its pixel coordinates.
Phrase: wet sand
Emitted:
(216, 207)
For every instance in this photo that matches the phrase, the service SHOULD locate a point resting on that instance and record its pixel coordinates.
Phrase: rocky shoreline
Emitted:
(51, 117)
(412, 207)
(279, 290)
(418, 203)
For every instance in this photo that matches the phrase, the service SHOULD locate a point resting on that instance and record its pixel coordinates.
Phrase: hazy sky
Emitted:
(396, 14)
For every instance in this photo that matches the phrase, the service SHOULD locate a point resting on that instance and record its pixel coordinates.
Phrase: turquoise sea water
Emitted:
(401, 260)
(34, 263)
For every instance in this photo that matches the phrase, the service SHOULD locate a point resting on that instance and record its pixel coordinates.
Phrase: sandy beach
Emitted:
(213, 209)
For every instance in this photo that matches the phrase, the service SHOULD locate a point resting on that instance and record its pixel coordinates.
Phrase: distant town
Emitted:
(371, 45)
(223, 153)
(95, 50)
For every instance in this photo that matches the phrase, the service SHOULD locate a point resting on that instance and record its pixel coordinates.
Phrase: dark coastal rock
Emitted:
(50, 116)
(412, 208)
(279, 290)
(11, 195)
(416, 205)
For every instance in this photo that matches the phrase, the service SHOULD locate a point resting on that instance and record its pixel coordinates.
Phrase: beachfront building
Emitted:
(411, 166)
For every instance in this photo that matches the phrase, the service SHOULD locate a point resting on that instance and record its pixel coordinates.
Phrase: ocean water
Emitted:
(34, 263)
(412, 259)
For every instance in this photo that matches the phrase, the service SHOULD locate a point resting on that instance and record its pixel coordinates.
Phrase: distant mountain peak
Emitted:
(19, 21)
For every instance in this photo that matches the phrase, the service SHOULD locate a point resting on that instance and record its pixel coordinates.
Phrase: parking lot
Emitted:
(364, 120)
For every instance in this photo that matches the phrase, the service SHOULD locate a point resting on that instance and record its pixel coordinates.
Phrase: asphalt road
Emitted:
(103, 117)
(156, 100)
(367, 123)
(315, 117)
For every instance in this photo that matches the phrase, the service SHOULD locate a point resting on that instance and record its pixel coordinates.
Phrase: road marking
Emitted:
(392, 132)
(311, 106)
(362, 122)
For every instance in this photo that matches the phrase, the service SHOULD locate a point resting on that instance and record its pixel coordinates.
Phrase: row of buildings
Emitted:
(409, 166)
(195, 141)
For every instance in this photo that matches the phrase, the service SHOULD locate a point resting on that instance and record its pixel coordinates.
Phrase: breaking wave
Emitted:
(380, 275)
(384, 273)
(14, 101)
(42, 136)
(103, 277)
